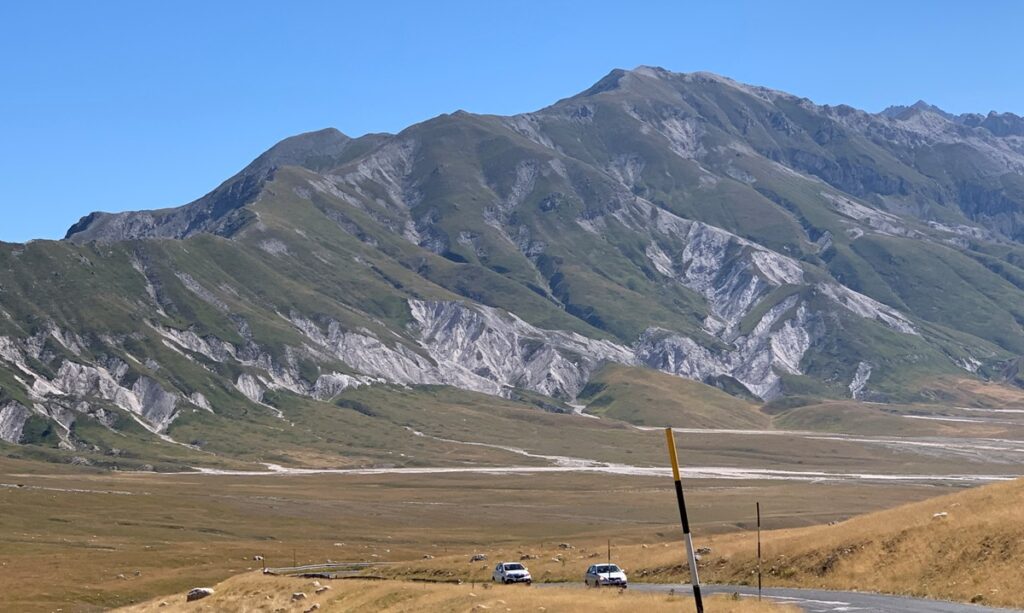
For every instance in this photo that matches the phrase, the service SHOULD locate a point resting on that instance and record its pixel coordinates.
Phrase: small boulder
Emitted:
(703, 551)
(198, 593)
(315, 607)
(942, 515)
(478, 557)
(564, 546)
(299, 596)
(258, 558)
(428, 557)
(322, 589)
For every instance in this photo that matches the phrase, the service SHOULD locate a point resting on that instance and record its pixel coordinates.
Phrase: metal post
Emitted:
(759, 551)
(694, 579)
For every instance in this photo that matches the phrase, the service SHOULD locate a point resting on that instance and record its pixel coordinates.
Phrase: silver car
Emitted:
(605, 575)
(511, 572)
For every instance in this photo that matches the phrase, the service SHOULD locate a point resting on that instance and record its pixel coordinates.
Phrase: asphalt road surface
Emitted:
(822, 601)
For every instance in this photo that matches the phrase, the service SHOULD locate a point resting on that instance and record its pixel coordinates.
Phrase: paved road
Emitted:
(822, 601)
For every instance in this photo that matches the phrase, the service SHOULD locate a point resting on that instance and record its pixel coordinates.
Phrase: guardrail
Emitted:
(326, 568)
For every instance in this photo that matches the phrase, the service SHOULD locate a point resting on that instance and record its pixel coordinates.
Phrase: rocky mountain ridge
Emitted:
(732, 234)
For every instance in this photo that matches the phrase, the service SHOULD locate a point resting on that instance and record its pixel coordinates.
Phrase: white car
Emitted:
(511, 572)
(605, 574)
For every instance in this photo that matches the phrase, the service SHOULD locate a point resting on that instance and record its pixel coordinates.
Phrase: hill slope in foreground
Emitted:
(966, 547)
(254, 592)
(745, 238)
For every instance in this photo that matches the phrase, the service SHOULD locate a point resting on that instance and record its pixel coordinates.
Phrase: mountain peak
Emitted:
(304, 149)
(655, 81)
(656, 72)
(221, 210)
(900, 111)
(923, 106)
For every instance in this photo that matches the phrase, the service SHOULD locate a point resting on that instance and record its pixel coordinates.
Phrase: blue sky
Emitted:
(133, 105)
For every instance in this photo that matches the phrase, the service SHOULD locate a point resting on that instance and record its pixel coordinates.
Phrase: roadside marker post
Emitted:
(758, 551)
(670, 439)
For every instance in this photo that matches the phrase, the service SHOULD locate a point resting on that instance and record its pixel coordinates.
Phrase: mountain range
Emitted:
(738, 236)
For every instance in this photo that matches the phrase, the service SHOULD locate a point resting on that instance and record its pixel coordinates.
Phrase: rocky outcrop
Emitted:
(481, 347)
(144, 398)
(775, 345)
(76, 386)
(198, 593)
(471, 347)
(12, 419)
(860, 380)
(250, 387)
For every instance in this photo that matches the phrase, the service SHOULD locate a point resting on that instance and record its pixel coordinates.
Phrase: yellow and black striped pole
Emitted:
(694, 579)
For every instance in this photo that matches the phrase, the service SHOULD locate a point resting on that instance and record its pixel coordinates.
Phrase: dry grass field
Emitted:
(253, 592)
(105, 539)
(975, 551)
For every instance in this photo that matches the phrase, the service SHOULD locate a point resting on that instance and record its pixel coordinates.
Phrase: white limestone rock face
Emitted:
(198, 399)
(860, 380)
(155, 405)
(250, 387)
(75, 386)
(776, 345)
(146, 399)
(470, 347)
(395, 362)
(485, 349)
(866, 307)
(736, 277)
(12, 420)
(330, 385)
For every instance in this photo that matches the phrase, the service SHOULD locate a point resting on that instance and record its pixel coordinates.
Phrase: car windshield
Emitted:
(606, 568)
(513, 567)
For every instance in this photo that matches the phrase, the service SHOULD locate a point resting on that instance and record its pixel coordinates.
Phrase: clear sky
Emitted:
(134, 105)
